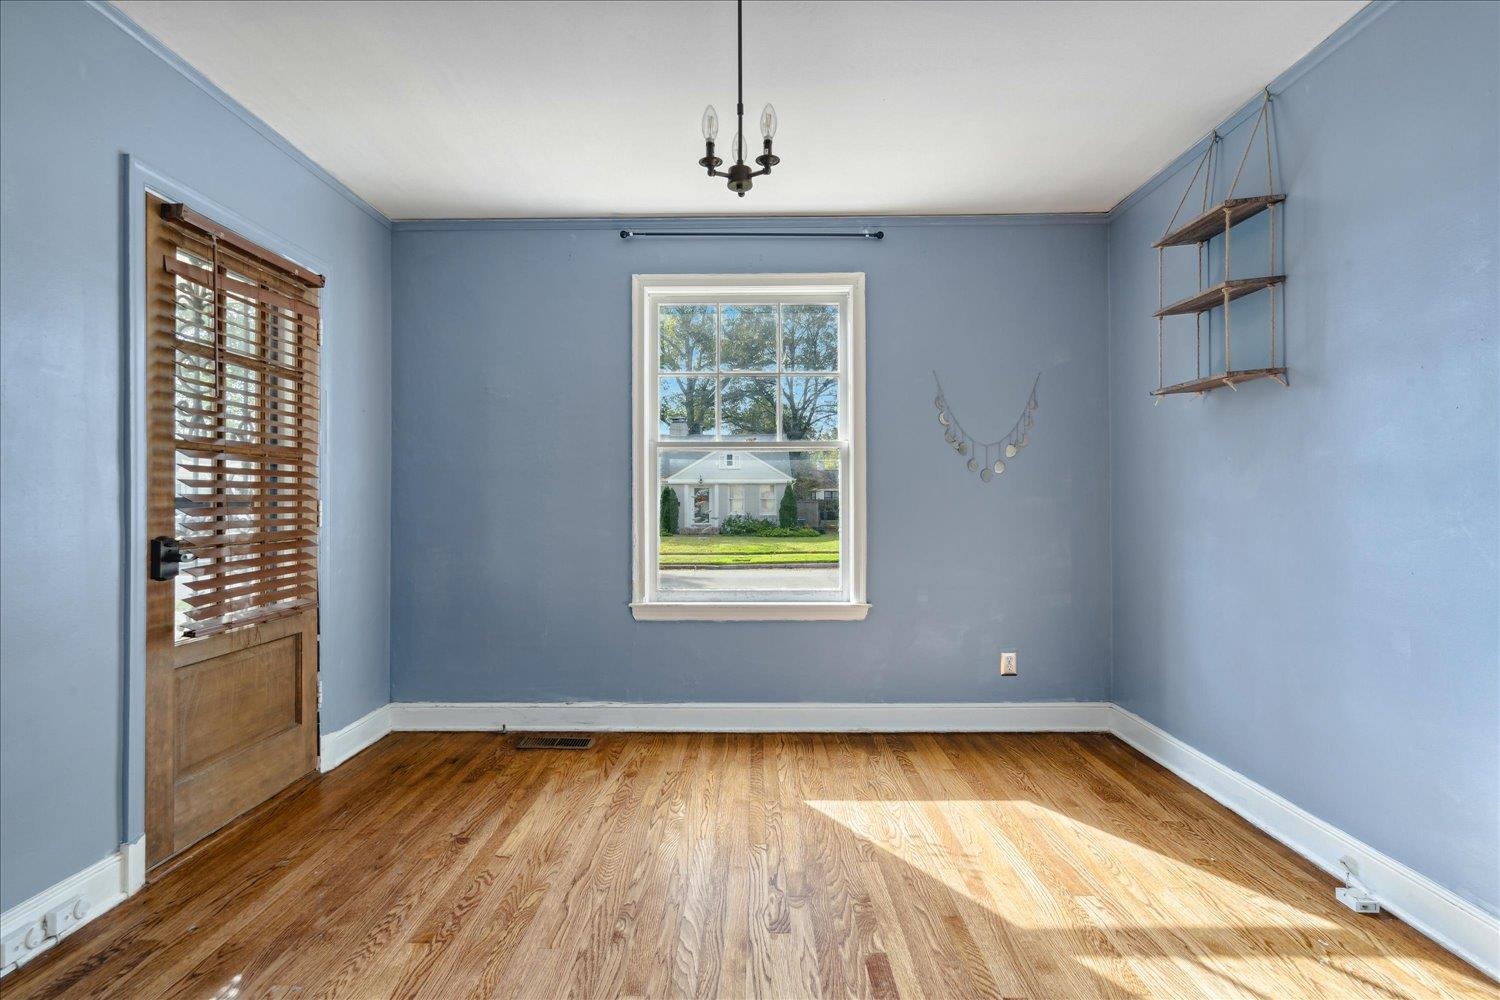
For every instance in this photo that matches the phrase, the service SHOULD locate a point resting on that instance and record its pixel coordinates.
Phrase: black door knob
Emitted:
(167, 556)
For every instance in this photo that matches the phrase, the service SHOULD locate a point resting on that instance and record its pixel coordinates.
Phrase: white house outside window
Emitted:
(774, 526)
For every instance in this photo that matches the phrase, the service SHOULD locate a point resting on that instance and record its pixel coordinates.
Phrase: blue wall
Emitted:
(76, 93)
(1305, 579)
(511, 530)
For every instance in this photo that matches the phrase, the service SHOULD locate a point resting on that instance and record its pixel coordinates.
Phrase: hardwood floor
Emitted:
(451, 865)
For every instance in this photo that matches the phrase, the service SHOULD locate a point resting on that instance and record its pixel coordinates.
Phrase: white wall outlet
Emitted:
(1007, 663)
(1354, 895)
(59, 920)
(20, 946)
(1357, 900)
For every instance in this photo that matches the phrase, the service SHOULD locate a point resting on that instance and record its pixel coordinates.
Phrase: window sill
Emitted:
(756, 611)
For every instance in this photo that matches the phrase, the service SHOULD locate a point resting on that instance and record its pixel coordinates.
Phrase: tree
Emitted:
(694, 337)
(788, 511)
(669, 510)
(687, 346)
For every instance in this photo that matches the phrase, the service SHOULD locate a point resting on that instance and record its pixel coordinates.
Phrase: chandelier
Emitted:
(739, 173)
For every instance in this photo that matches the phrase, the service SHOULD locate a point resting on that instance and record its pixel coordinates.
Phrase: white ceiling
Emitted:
(434, 109)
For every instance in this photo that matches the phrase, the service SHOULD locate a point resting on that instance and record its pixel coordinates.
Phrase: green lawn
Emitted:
(746, 550)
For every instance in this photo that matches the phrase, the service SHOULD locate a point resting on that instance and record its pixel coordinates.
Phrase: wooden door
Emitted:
(232, 636)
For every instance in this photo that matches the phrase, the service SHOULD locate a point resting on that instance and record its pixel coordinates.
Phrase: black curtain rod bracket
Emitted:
(878, 234)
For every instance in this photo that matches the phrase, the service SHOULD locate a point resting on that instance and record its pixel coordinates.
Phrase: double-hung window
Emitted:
(748, 417)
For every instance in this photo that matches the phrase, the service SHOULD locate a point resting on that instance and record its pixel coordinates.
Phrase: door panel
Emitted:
(228, 703)
(241, 735)
(231, 706)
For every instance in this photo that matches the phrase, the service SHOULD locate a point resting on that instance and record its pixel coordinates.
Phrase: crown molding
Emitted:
(1278, 86)
(708, 225)
(154, 45)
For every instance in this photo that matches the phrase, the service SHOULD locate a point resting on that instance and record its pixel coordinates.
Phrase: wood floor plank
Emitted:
(758, 865)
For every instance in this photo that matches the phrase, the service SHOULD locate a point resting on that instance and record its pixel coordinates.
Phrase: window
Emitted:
(775, 526)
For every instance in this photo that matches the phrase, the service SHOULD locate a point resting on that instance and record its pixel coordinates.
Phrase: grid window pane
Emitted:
(810, 407)
(687, 407)
(810, 337)
(685, 334)
(749, 408)
(747, 338)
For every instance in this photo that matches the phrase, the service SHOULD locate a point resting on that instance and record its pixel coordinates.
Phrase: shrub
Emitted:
(743, 524)
(777, 532)
(670, 507)
(788, 511)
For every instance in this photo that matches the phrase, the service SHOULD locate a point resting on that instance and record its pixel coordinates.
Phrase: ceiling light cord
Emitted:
(739, 106)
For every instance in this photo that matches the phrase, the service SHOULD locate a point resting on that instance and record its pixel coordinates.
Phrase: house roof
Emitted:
(748, 468)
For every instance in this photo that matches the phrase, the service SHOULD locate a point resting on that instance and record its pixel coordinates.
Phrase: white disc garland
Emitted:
(984, 457)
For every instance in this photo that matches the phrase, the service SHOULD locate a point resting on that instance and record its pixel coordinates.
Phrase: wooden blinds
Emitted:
(233, 336)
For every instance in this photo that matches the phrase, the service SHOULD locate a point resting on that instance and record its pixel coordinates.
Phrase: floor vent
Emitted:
(555, 743)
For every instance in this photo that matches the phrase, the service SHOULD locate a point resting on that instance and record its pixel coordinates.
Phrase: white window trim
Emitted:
(646, 290)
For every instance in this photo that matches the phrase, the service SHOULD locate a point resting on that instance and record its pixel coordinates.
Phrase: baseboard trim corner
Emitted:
(103, 885)
(337, 747)
(752, 717)
(1456, 924)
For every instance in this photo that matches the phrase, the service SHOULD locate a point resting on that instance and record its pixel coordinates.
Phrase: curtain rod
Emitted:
(878, 234)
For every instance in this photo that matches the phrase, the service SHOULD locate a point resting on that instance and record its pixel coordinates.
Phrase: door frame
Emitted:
(137, 179)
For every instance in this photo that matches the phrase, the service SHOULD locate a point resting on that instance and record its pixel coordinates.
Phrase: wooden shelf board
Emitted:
(1221, 379)
(1211, 223)
(1213, 297)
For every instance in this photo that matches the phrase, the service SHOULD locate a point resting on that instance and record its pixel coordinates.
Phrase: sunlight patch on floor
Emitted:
(983, 849)
(1122, 906)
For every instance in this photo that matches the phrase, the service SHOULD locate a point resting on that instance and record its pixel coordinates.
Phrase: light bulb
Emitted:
(1010, 451)
(737, 148)
(710, 123)
(999, 467)
(973, 464)
(768, 122)
(985, 473)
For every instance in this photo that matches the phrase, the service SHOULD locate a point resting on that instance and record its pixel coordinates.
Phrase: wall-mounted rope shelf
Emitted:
(876, 234)
(1211, 222)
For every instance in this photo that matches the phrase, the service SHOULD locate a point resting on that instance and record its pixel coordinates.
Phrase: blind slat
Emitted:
(234, 336)
(198, 631)
(204, 278)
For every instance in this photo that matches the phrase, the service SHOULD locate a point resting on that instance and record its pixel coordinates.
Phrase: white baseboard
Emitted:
(337, 747)
(102, 884)
(1456, 924)
(754, 717)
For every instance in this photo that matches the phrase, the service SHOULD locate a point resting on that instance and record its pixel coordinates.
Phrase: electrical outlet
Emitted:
(21, 945)
(60, 920)
(1008, 663)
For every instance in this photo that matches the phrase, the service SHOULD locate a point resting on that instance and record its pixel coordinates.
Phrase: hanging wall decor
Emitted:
(987, 458)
